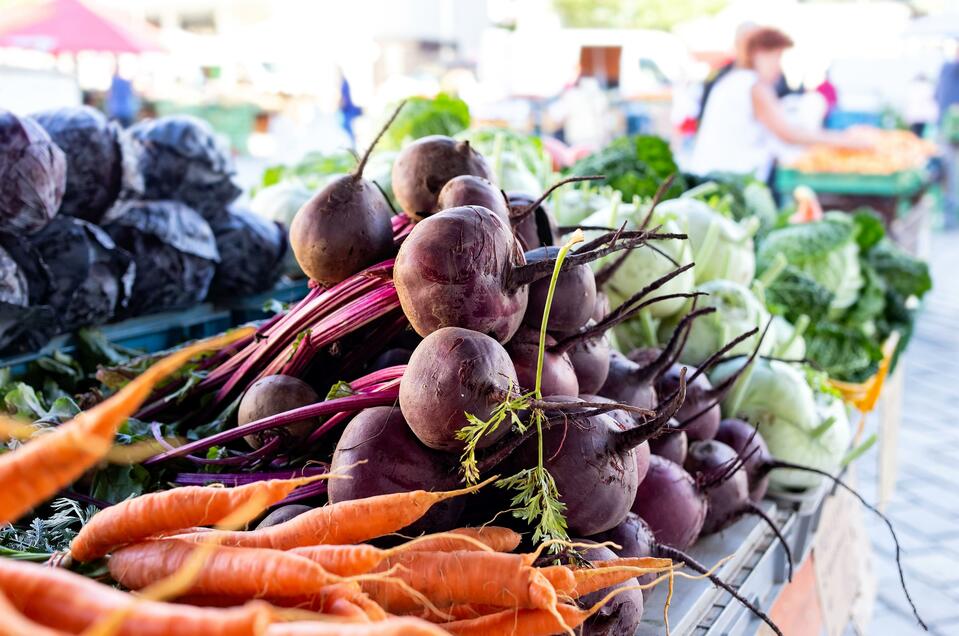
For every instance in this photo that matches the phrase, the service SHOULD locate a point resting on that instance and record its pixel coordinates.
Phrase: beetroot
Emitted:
(671, 503)
(272, 395)
(699, 415)
(345, 227)
(749, 445)
(423, 167)
(471, 190)
(559, 376)
(453, 270)
(453, 372)
(575, 295)
(282, 515)
(395, 461)
(671, 443)
(536, 228)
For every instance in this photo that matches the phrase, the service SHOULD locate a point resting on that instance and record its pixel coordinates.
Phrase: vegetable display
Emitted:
(477, 421)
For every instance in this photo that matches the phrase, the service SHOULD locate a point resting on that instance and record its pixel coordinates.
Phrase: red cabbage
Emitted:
(33, 175)
(91, 278)
(251, 253)
(174, 251)
(98, 167)
(183, 160)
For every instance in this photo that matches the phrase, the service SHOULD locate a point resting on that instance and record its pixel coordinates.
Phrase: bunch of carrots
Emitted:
(314, 574)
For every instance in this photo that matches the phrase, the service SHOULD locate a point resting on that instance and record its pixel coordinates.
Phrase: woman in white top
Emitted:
(743, 119)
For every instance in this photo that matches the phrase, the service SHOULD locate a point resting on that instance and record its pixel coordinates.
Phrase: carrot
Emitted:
(62, 600)
(561, 578)
(533, 622)
(448, 578)
(39, 469)
(340, 523)
(335, 600)
(615, 571)
(13, 623)
(229, 571)
(354, 560)
(498, 538)
(162, 512)
(520, 622)
(405, 626)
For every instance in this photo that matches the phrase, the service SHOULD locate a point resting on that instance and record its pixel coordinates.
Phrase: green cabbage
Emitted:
(737, 311)
(798, 424)
(823, 252)
(722, 248)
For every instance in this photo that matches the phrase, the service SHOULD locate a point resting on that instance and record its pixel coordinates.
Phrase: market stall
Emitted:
(512, 392)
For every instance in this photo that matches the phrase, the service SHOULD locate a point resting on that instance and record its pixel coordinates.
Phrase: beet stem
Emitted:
(660, 193)
(609, 269)
(358, 171)
(519, 216)
(531, 272)
(667, 356)
(895, 539)
(752, 508)
(718, 355)
(718, 392)
(678, 555)
(633, 437)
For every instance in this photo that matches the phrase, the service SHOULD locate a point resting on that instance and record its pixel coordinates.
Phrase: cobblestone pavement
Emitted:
(925, 509)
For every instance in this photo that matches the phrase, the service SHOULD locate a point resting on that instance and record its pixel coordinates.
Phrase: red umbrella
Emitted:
(69, 26)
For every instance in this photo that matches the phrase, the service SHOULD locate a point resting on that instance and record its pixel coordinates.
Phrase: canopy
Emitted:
(69, 26)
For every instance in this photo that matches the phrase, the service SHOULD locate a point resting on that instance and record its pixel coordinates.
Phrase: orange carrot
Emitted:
(354, 560)
(65, 601)
(329, 600)
(615, 571)
(39, 469)
(340, 523)
(228, 571)
(498, 538)
(561, 578)
(519, 622)
(162, 512)
(531, 622)
(405, 626)
(13, 623)
(448, 578)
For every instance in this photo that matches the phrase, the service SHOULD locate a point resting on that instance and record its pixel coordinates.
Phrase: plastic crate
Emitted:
(756, 568)
(842, 119)
(150, 333)
(250, 308)
(905, 183)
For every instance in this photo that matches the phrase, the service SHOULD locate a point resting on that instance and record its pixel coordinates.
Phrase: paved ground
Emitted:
(925, 509)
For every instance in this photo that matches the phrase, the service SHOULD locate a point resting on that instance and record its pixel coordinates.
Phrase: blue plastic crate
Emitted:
(842, 119)
(150, 333)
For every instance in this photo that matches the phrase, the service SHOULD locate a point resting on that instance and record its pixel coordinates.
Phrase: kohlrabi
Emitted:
(737, 311)
(800, 425)
(722, 248)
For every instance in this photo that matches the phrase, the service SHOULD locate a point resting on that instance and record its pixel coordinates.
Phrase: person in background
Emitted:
(920, 108)
(829, 94)
(743, 31)
(947, 98)
(744, 121)
(347, 109)
(122, 103)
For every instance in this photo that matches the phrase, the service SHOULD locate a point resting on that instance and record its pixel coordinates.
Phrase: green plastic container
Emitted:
(905, 183)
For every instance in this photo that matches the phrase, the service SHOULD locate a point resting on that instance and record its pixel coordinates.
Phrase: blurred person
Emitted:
(122, 103)
(745, 123)
(947, 99)
(743, 31)
(829, 94)
(348, 110)
(920, 109)
(582, 114)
